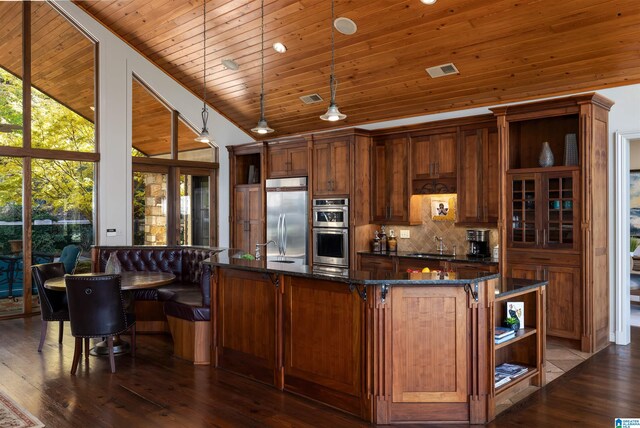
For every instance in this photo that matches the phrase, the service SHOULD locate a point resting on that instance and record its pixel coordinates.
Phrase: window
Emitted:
(47, 146)
(173, 176)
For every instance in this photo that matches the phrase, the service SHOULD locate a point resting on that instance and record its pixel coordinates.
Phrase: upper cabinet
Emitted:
(287, 159)
(478, 176)
(331, 166)
(434, 155)
(390, 192)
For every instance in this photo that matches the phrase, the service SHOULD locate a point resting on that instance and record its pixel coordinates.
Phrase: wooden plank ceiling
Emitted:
(506, 51)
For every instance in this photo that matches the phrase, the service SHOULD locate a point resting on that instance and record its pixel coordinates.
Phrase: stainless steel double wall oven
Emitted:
(331, 235)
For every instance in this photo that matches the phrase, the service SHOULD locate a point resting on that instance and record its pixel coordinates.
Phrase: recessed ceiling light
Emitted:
(345, 25)
(230, 64)
(279, 47)
(428, 1)
(92, 108)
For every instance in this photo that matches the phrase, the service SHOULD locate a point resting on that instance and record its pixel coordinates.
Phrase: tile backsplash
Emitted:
(422, 236)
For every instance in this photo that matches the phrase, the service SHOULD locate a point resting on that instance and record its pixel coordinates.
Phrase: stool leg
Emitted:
(112, 360)
(86, 347)
(76, 355)
(43, 333)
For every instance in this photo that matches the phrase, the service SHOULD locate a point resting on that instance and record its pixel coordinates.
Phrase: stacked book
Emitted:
(503, 334)
(508, 371)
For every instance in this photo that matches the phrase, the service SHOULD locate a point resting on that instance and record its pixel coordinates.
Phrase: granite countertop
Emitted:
(353, 276)
(509, 286)
(461, 258)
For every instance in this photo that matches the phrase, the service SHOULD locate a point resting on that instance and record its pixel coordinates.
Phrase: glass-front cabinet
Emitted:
(543, 209)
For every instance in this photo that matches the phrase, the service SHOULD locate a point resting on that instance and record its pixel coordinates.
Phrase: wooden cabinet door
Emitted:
(479, 176)
(246, 323)
(397, 180)
(446, 145)
(379, 190)
(322, 169)
(331, 168)
(564, 301)
(434, 155)
(278, 162)
(429, 351)
(523, 213)
(560, 210)
(376, 264)
(491, 176)
(247, 219)
(287, 161)
(298, 161)
(340, 168)
(470, 190)
(323, 343)
(523, 271)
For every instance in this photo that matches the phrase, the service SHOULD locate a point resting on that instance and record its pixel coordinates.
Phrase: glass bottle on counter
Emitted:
(392, 242)
(375, 243)
(383, 240)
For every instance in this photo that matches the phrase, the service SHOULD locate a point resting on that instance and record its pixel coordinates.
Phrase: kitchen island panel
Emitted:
(246, 324)
(323, 341)
(429, 355)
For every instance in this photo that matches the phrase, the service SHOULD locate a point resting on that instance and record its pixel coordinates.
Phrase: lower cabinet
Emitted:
(245, 326)
(564, 302)
(323, 354)
(374, 264)
(429, 354)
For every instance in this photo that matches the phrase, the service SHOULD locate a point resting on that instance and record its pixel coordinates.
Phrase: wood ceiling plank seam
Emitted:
(119, 15)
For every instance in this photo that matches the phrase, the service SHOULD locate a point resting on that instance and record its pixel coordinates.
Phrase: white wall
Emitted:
(117, 61)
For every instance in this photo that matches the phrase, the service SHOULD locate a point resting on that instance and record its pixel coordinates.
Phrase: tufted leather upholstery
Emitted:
(183, 262)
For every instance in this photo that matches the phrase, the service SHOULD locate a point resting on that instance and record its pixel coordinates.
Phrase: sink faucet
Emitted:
(440, 245)
(258, 254)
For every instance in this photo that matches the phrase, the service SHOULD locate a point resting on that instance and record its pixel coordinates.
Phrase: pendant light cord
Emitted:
(205, 113)
(333, 82)
(262, 62)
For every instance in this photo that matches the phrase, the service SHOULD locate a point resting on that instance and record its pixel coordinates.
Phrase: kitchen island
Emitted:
(387, 347)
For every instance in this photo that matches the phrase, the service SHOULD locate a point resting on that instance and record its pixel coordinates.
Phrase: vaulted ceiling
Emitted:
(505, 50)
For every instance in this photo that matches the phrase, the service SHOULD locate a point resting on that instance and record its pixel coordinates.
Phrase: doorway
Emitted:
(621, 238)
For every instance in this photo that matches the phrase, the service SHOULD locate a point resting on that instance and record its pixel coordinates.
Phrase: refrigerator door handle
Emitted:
(278, 232)
(284, 234)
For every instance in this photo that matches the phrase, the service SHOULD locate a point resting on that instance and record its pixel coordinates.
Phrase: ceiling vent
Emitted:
(442, 70)
(311, 98)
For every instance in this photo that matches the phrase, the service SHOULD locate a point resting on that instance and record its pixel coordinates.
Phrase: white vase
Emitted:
(113, 265)
(546, 156)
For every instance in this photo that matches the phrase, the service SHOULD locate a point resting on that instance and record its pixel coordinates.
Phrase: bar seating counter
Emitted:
(386, 347)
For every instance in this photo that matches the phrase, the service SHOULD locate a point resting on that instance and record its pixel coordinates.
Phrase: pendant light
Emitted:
(262, 127)
(333, 114)
(204, 137)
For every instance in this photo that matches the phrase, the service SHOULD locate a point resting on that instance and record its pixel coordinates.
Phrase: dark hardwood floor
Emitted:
(156, 390)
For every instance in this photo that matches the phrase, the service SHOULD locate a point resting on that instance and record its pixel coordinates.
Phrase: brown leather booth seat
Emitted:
(183, 262)
(185, 302)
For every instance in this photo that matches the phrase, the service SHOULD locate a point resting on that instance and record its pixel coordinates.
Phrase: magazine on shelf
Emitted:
(516, 309)
(505, 338)
(511, 370)
(501, 379)
(501, 332)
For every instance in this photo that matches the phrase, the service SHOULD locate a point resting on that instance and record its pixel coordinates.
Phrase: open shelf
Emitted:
(520, 334)
(532, 371)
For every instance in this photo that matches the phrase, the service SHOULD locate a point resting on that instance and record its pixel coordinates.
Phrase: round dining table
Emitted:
(130, 280)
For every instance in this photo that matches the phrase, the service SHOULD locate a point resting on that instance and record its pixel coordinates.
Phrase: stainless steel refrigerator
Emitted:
(287, 223)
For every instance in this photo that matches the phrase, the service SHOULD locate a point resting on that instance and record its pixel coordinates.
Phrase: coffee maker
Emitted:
(478, 243)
